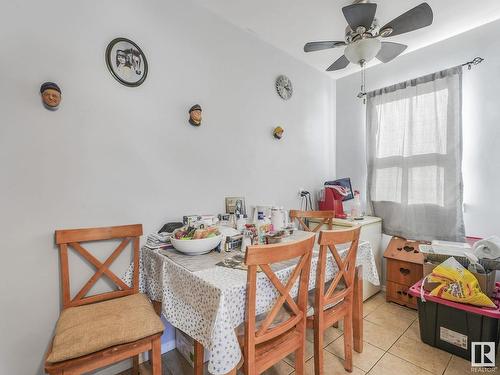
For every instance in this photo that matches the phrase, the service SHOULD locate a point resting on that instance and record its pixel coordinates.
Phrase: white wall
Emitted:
(117, 155)
(481, 116)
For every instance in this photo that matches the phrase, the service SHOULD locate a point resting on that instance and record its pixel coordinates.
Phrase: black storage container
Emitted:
(453, 330)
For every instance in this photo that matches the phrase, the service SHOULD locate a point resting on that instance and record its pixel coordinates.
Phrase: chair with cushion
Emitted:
(334, 300)
(303, 217)
(102, 329)
(273, 335)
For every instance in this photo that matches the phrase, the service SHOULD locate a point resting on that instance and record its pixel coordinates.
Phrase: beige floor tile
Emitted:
(373, 302)
(392, 316)
(392, 365)
(413, 332)
(330, 335)
(422, 355)
(333, 365)
(458, 366)
(403, 311)
(282, 368)
(365, 360)
(309, 353)
(381, 337)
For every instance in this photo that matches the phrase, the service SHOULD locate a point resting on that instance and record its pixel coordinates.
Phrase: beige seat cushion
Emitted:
(87, 329)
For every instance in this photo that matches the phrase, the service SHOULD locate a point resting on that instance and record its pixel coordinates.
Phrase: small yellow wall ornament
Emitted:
(278, 132)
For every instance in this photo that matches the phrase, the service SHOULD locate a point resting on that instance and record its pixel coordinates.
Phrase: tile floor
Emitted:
(392, 347)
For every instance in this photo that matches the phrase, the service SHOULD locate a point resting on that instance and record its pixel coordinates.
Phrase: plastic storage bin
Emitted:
(452, 326)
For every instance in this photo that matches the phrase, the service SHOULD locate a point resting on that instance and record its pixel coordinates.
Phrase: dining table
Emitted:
(204, 295)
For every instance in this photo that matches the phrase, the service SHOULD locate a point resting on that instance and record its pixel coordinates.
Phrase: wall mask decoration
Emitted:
(195, 115)
(126, 62)
(278, 132)
(51, 95)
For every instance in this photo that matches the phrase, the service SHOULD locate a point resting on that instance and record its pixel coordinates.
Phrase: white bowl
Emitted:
(196, 247)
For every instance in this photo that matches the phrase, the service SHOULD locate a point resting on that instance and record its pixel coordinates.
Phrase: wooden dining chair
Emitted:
(272, 336)
(326, 218)
(334, 301)
(101, 329)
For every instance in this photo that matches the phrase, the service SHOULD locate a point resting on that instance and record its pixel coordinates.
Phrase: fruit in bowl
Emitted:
(195, 234)
(193, 241)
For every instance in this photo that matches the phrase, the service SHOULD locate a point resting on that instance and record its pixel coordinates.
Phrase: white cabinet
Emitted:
(371, 231)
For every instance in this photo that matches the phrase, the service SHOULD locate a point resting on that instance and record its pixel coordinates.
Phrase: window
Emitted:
(414, 151)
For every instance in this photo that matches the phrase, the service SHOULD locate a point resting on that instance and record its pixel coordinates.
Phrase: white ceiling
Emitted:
(289, 24)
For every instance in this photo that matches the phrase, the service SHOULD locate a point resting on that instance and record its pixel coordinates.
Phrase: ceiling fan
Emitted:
(363, 34)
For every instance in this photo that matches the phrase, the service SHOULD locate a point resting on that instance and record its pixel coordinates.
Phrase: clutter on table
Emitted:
(199, 234)
(158, 240)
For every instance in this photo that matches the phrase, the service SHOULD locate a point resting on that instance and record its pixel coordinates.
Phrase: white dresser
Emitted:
(371, 231)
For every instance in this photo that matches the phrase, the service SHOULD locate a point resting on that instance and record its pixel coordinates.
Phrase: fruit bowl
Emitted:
(196, 247)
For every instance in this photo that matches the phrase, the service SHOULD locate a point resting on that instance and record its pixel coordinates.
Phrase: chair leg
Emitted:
(300, 360)
(318, 346)
(135, 365)
(156, 357)
(357, 313)
(157, 308)
(348, 339)
(198, 358)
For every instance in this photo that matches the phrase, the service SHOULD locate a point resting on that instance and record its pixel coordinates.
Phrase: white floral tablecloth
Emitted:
(209, 304)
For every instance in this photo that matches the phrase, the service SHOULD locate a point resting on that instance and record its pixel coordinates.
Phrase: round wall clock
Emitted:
(284, 87)
(126, 62)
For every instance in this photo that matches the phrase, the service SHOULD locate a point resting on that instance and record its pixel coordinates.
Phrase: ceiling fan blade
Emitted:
(390, 51)
(318, 46)
(416, 18)
(360, 15)
(340, 63)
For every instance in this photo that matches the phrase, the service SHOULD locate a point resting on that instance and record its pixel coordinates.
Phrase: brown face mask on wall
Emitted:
(51, 95)
(195, 115)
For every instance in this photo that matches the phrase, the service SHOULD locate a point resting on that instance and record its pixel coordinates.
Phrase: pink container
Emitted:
(415, 291)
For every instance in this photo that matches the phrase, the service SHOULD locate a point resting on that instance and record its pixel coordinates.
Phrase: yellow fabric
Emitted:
(87, 329)
(457, 284)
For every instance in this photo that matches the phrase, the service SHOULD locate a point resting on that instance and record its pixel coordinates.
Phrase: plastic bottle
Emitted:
(261, 226)
(240, 222)
(356, 206)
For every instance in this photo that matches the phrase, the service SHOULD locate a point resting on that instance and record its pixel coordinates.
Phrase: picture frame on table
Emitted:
(236, 205)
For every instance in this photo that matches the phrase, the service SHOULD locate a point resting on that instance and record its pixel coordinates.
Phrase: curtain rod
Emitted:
(475, 61)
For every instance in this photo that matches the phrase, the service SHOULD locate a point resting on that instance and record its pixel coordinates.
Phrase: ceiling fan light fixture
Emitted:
(362, 50)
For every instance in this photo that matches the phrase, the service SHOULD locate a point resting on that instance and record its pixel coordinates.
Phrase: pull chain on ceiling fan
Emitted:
(363, 35)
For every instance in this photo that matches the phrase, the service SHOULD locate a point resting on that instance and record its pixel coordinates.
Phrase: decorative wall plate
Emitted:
(126, 62)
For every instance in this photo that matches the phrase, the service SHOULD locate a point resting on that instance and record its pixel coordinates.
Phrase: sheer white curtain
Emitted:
(414, 156)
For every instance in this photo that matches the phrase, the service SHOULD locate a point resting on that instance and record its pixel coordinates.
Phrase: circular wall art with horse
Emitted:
(126, 62)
